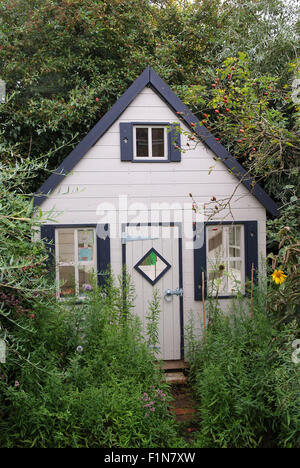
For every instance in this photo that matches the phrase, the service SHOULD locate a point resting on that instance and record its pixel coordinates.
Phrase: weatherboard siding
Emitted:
(101, 177)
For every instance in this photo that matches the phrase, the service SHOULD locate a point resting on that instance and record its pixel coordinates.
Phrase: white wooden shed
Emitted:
(122, 197)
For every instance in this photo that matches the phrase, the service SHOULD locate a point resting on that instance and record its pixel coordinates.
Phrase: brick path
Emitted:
(183, 405)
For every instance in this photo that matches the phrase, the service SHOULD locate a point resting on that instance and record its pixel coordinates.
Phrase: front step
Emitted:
(175, 378)
(178, 364)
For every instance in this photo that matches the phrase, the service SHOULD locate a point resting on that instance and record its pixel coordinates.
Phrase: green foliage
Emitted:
(66, 62)
(246, 381)
(101, 387)
(255, 119)
(25, 292)
(152, 325)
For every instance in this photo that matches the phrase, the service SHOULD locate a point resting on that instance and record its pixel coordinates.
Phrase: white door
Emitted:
(152, 256)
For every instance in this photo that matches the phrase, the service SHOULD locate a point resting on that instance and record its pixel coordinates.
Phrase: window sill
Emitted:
(151, 161)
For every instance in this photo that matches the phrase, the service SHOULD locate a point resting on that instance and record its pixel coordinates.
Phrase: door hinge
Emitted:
(174, 292)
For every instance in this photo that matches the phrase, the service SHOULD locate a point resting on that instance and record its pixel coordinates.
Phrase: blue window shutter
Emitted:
(251, 249)
(199, 260)
(103, 252)
(174, 143)
(126, 141)
(48, 237)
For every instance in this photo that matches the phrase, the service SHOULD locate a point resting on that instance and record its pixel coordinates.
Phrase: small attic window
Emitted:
(150, 142)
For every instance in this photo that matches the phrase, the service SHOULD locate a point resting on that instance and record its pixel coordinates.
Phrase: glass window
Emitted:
(142, 144)
(150, 142)
(225, 260)
(85, 245)
(67, 281)
(66, 245)
(158, 142)
(75, 260)
(152, 266)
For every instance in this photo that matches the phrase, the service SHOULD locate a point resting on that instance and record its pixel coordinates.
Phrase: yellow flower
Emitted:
(278, 276)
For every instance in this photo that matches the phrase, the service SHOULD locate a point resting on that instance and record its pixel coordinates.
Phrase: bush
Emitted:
(245, 380)
(99, 387)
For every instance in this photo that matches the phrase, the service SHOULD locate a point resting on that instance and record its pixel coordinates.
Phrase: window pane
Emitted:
(234, 241)
(66, 245)
(217, 279)
(235, 276)
(85, 245)
(85, 278)
(152, 265)
(67, 281)
(142, 142)
(224, 274)
(158, 144)
(215, 242)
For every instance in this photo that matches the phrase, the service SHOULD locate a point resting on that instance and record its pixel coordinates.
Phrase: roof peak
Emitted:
(149, 76)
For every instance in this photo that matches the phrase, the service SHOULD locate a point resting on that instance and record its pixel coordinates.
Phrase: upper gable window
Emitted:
(150, 142)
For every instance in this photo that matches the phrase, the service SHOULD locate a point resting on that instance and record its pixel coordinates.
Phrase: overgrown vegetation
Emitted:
(245, 379)
(75, 375)
(83, 376)
(97, 382)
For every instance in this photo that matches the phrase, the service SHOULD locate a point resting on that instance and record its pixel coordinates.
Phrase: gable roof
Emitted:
(150, 78)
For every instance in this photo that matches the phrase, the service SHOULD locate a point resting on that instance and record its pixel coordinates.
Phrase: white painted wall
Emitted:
(101, 177)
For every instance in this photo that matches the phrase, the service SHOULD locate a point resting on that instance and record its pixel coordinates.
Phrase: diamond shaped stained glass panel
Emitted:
(152, 266)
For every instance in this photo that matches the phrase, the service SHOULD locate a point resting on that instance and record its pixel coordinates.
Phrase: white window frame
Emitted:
(226, 259)
(150, 157)
(76, 264)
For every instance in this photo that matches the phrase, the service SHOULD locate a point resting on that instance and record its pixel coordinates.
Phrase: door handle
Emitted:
(174, 292)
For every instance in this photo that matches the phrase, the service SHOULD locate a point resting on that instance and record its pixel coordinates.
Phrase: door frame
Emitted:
(170, 224)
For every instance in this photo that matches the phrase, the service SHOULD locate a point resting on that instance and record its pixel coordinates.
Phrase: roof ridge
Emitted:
(149, 76)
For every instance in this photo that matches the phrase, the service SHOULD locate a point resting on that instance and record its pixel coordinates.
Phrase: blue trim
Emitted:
(126, 142)
(152, 79)
(251, 254)
(167, 267)
(209, 140)
(92, 137)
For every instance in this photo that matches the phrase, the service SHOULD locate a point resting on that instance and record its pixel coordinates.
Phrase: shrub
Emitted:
(93, 387)
(245, 380)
